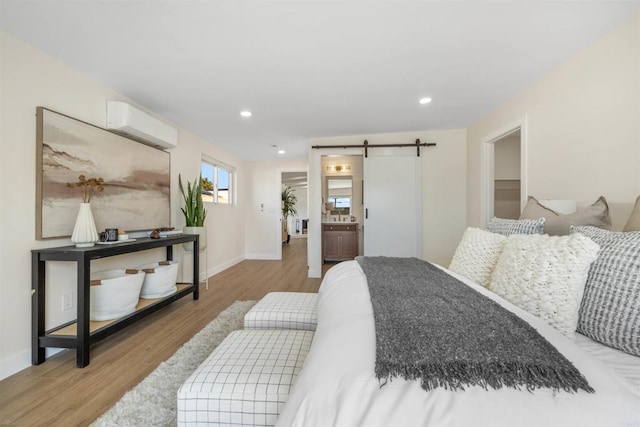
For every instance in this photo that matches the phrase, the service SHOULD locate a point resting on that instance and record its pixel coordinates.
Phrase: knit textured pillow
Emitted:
(545, 275)
(477, 254)
(610, 310)
(507, 227)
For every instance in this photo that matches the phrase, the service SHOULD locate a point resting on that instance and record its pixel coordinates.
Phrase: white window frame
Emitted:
(216, 164)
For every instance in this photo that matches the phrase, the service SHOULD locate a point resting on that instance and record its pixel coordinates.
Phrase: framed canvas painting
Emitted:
(136, 177)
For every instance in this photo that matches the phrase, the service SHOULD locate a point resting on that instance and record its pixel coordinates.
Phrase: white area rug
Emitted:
(153, 401)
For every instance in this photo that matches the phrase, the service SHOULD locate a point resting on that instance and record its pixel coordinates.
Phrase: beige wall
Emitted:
(583, 121)
(264, 200)
(29, 78)
(443, 189)
(507, 157)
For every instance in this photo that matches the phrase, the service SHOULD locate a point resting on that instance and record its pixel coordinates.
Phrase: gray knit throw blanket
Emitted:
(432, 327)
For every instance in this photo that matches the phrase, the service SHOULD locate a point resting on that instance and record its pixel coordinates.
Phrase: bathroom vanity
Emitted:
(339, 241)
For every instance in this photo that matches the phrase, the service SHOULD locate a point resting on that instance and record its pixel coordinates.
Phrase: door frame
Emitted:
(278, 223)
(314, 227)
(487, 158)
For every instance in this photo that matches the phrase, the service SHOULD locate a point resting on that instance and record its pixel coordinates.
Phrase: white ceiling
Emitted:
(309, 68)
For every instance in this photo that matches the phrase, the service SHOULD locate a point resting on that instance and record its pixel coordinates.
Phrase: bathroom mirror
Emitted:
(339, 193)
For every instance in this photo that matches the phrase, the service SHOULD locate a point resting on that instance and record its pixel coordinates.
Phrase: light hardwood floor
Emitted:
(56, 393)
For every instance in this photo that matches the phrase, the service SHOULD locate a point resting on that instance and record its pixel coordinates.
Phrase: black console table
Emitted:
(82, 332)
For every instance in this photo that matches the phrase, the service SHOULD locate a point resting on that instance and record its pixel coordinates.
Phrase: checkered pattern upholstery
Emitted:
(610, 311)
(284, 310)
(245, 381)
(507, 227)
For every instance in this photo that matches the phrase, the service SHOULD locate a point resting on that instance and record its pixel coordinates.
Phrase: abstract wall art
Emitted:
(136, 177)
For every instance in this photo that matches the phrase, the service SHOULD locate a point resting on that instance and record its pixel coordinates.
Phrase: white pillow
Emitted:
(545, 275)
(477, 254)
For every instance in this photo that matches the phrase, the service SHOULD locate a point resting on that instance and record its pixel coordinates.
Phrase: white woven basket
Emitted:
(160, 280)
(116, 296)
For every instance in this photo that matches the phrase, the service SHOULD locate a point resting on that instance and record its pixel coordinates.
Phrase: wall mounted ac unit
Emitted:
(127, 120)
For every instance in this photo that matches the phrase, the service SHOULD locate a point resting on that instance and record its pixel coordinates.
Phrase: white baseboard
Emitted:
(21, 360)
(262, 256)
(220, 268)
(186, 265)
(14, 363)
(314, 273)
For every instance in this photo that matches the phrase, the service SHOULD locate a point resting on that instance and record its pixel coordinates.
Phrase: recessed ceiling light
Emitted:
(425, 100)
(245, 113)
(281, 151)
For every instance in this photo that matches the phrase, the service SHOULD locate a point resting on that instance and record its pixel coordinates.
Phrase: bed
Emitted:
(337, 387)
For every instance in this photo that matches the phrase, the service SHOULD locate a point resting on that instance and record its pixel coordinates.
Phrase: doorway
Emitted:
(341, 193)
(504, 172)
(506, 176)
(295, 225)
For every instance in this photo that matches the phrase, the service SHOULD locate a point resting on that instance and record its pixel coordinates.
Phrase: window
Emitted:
(217, 183)
(341, 205)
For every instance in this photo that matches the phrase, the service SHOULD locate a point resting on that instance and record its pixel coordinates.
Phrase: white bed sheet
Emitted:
(622, 363)
(337, 387)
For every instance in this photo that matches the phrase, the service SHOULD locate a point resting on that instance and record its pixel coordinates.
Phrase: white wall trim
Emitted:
(221, 267)
(280, 171)
(487, 155)
(16, 362)
(314, 229)
(419, 203)
(278, 222)
(272, 257)
(487, 151)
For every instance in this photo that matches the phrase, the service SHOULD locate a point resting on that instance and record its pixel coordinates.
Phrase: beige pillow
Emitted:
(596, 215)
(633, 224)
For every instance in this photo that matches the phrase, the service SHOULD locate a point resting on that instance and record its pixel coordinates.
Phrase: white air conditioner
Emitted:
(127, 120)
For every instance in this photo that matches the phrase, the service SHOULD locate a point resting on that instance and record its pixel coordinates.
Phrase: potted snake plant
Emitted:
(194, 212)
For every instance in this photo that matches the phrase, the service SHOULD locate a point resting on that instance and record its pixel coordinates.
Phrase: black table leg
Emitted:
(37, 308)
(84, 295)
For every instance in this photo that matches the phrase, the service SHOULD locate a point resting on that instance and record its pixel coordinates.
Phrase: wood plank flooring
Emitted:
(56, 393)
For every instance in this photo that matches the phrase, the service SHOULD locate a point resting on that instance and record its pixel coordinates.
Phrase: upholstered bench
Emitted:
(284, 310)
(246, 379)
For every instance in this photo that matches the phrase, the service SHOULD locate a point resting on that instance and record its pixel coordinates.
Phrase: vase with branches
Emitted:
(194, 211)
(289, 200)
(84, 232)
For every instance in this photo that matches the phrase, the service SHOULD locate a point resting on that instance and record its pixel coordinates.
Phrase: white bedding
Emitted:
(624, 364)
(337, 386)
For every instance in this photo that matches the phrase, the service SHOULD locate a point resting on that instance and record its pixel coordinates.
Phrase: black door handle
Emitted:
(366, 213)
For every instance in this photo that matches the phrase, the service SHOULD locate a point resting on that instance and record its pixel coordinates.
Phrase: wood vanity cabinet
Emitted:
(339, 241)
